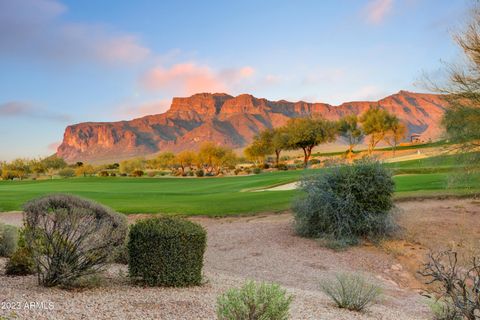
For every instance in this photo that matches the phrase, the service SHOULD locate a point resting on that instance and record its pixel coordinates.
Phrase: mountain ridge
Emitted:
(231, 121)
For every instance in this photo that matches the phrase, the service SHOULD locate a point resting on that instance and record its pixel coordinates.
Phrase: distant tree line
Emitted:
(306, 133)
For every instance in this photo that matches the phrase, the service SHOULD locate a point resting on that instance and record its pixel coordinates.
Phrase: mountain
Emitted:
(230, 121)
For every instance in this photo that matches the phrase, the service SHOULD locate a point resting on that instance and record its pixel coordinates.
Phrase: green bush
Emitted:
(254, 302)
(103, 173)
(8, 239)
(20, 263)
(282, 166)
(166, 252)
(137, 173)
(70, 237)
(351, 291)
(257, 170)
(199, 173)
(66, 173)
(346, 203)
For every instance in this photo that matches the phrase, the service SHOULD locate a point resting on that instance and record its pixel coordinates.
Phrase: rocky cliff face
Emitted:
(230, 121)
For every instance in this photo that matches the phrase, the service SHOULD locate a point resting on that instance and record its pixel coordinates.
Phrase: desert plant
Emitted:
(459, 286)
(254, 301)
(199, 173)
(257, 170)
(282, 166)
(70, 237)
(8, 239)
(166, 252)
(346, 203)
(442, 309)
(237, 171)
(103, 173)
(20, 263)
(350, 291)
(137, 173)
(66, 172)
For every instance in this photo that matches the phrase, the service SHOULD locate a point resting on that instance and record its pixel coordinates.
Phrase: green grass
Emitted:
(207, 196)
(440, 143)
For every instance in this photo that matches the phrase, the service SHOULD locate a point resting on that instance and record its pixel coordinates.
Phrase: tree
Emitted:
(164, 160)
(396, 134)
(260, 147)
(462, 89)
(185, 159)
(376, 123)
(280, 140)
(128, 166)
(213, 158)
(350, 130)
(54, 162)
(306, 133)
(85, 170)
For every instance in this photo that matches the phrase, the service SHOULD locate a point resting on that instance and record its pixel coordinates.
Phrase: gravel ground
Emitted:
(260, 248)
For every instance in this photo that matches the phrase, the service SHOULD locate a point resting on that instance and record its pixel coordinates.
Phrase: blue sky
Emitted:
(65, 62)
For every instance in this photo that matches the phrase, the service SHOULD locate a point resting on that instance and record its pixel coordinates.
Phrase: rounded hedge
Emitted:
(166, 252)
(346, 203)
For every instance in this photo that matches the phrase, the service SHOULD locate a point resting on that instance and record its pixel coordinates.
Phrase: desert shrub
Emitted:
(346, 203)
(264, 166)
(443, 309)
(103, 173)
(350, 291)
(257, 170)
(8, 239)
(458, 285)
(66, 173)
(113, 174)
(254, 301)
(137, 173)
(314, 161)
(70, 237)
(120, 253)
(237, 171)
(20, 263)
(190, 173)
(166, 252)
(282, 166)
(199, 173)
(123, 174)
(152, 174)
(248, 170)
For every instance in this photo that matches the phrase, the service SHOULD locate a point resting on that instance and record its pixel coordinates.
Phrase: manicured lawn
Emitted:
(206, 196)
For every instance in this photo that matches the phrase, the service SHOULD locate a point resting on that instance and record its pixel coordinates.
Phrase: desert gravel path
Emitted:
(260, 248)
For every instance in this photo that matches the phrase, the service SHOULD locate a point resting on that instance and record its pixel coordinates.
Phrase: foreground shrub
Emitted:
(350, 291)
(166, 252)
(458, 285)
(254, 302)
(8, 239)
(70, 237)
(346, 203)
(20, 263)
(199, 173)
(257, 170)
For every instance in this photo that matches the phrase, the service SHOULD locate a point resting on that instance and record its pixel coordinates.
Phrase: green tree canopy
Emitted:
(350, 130)
(307, 133)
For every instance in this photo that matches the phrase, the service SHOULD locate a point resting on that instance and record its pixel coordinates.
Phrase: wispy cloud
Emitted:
(19, 109)
(34, 29)
(190, 77)
(144, 109)
(377, 10)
